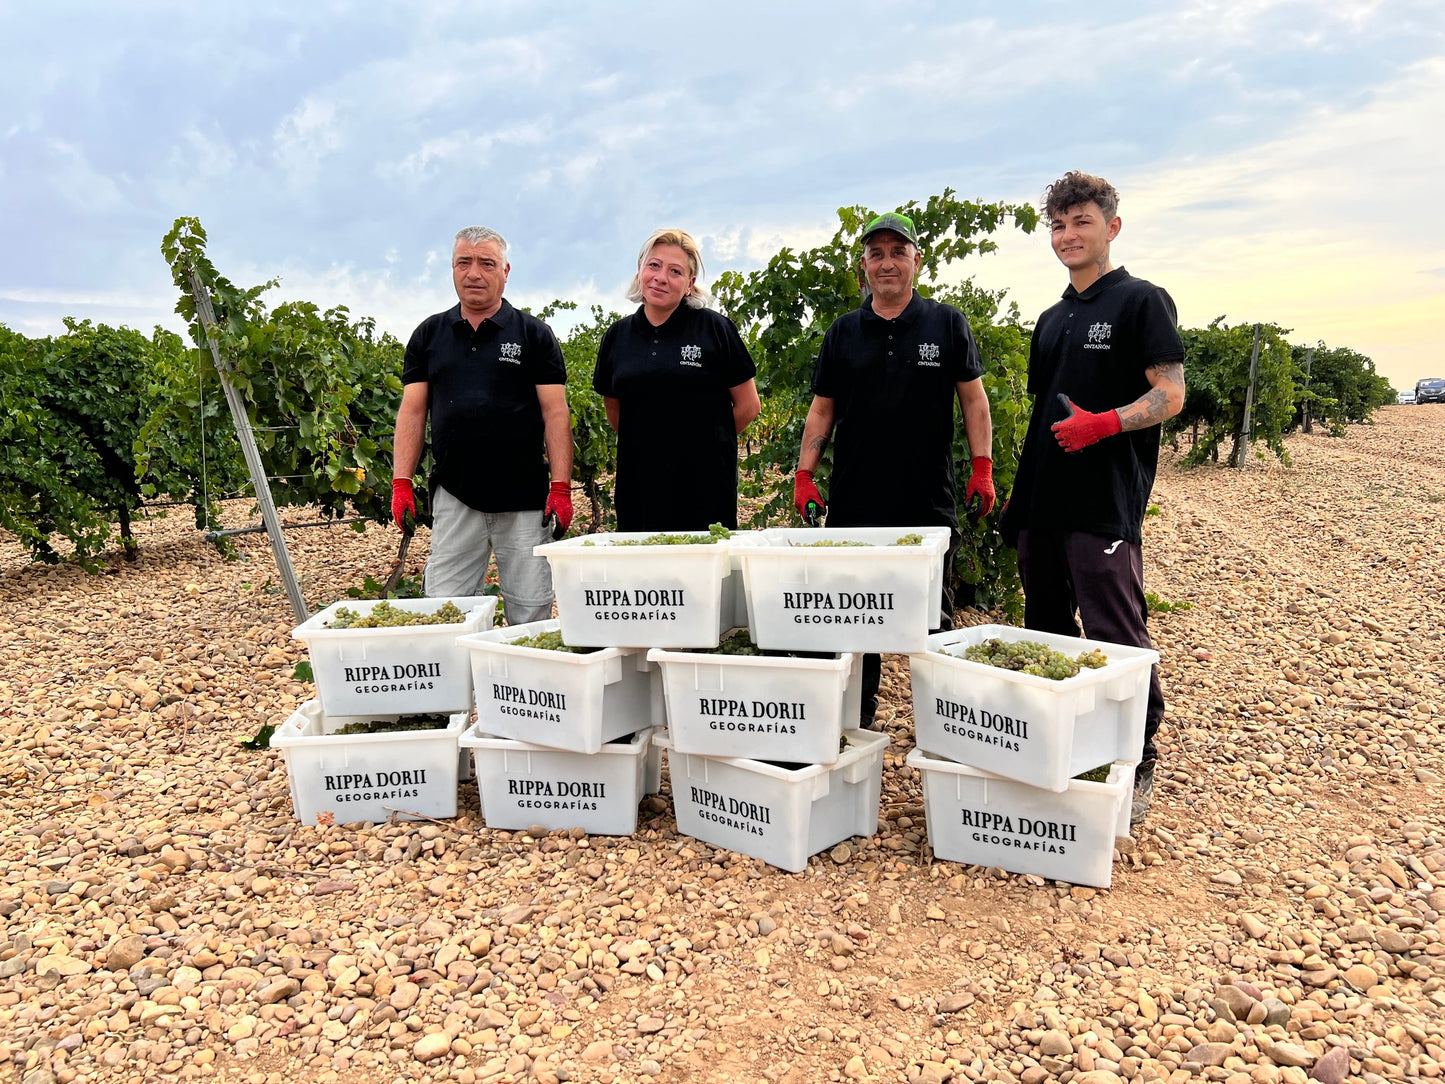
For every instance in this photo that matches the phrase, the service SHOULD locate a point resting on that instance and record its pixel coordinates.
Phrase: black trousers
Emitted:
(1103, 580)
(872, 675)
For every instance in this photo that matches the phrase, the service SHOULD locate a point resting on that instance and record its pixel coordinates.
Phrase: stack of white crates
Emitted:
(380, 675)
(566, 740)
(758, 753)
(999, 750)
(763, 756)
(562, 739)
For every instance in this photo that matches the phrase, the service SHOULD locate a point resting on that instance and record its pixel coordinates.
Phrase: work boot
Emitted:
(1143, 792)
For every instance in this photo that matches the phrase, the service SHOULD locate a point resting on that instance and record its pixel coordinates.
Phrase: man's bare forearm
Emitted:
(817, 431)
(1161, 402)
(407, 441)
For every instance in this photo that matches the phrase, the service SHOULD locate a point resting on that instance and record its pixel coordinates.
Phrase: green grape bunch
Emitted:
(1029, 657)
(715, 533)
(905, 540)
(394, 726)
(549, 641)
(386, 616)
(738, 643)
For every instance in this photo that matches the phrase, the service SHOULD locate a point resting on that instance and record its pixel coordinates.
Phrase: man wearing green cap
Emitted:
(884, 383)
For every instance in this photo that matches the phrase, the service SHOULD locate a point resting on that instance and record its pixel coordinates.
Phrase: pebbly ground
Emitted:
(1277, 918)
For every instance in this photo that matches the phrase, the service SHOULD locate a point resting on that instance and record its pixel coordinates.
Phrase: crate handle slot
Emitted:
(700, 671)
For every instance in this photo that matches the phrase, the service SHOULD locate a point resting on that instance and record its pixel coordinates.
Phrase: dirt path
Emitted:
(163, 915)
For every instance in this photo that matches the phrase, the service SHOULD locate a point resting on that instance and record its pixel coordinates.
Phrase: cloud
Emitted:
(305, 138)
(203, 156)
(341, 146)
(80, 184)
(462, 149)
(1318, 230)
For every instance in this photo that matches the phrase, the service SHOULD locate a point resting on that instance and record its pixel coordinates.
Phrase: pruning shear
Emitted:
(813, 514)
(554, 526)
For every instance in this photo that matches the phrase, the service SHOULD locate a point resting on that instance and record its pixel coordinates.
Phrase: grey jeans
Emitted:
(462, 543)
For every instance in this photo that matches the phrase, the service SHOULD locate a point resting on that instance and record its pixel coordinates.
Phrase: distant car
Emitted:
(1430, 390)
(1405, 398)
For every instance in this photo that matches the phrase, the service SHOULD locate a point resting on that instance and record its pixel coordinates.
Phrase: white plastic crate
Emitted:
(367, 777)
(559, 699)
(779, 814)
(1032, 729)
(521, 785)
(985, 820)
(765, 708)
(638, 596)
(410, 670)
(879, 597)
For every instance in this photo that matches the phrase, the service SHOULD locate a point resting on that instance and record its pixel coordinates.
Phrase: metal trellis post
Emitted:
(253, 455)
(1247, 433)
(1309, 402)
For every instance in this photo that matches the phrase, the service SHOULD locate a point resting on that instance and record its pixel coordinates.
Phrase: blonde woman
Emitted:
(678, 386)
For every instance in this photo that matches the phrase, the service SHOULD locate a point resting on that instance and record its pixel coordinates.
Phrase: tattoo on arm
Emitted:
(818, 444)
(1152, 407)
(1170, 371)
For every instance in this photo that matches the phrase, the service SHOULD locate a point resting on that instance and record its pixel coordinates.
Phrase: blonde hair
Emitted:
(698, 297)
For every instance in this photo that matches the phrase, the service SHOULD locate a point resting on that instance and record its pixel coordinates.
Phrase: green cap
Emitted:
(899, 224)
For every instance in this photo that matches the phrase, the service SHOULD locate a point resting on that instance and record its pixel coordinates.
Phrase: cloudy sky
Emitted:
(1275, 158)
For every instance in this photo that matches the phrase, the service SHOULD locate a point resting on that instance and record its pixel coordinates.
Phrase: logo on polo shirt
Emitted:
(1099, 337)
(928, 355)
(512, 352)
(692, 355)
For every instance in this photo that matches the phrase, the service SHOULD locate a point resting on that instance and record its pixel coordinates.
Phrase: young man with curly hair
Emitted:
(1106, 368)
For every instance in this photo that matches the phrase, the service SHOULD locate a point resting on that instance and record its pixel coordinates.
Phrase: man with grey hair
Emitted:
(493, 383)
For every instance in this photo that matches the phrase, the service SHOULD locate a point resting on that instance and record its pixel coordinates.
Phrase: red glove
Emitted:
(806, 495)
(559, 502)
(403, 501)
(1080, 428)
(980, 485)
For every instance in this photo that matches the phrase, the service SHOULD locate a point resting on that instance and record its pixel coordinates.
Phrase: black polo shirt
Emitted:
(677, 445)
(1095, 347)
(486, 424)
(893, 384)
